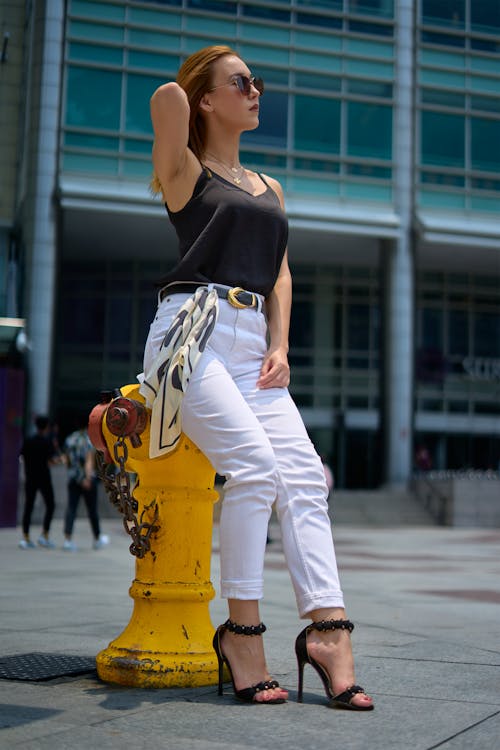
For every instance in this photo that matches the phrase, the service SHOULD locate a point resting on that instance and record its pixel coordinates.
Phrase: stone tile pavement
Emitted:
(425, 600)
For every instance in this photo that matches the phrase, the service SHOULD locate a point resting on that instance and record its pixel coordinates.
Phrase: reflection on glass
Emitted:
(442, 139)
(317, 124)
(383, 8)
(485, 144)
(485, 16)
(93, 98)
(273, 118)
(139, 91)
(450, 13)
(369, 130)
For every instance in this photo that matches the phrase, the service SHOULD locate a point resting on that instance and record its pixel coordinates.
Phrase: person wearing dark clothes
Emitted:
(216, 360)
(38, 452)
(82, 482)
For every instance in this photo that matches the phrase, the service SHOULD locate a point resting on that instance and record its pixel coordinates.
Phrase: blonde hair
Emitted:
(195, 77)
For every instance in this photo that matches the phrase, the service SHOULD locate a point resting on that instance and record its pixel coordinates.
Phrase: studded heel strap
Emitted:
(233, 627)
(323, 625)
(247, 695)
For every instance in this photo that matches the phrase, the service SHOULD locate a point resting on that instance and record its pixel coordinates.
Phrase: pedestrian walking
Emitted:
(79, 455)
(38, 453)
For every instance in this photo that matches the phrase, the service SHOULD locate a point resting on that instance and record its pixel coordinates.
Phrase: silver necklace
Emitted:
(236, 173)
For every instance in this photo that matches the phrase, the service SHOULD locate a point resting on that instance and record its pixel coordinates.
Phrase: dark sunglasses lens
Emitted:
(259, 85)
(245, 84)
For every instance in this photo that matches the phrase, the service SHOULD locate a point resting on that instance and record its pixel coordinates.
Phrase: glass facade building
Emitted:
(381, 119)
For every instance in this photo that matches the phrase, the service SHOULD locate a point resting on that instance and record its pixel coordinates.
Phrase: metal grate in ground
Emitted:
(38, 666)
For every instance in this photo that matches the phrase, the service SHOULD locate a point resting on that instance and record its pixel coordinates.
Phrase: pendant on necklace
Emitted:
(237, 180)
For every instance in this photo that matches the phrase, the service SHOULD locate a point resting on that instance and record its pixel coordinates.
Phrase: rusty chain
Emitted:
(117, 486)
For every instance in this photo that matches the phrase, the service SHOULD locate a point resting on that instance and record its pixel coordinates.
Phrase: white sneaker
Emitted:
(69, 545)
(101, 542)
(26, 544)
(44, 542)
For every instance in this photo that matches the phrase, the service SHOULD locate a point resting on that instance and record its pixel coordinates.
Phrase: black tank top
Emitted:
(228, 236)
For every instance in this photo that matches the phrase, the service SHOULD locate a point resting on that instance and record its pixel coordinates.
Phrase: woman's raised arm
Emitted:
(175, 165)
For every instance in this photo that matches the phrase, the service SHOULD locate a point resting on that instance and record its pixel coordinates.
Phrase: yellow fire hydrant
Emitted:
(168, 641)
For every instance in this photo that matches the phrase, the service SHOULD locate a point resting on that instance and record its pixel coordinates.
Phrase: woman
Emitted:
(233, 232)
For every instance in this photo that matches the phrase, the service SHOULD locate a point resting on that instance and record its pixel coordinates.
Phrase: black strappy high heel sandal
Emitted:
(247, 695)
(342, 700)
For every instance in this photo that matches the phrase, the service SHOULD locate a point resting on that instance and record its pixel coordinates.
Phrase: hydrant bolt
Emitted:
(117, 419)
(127, 417)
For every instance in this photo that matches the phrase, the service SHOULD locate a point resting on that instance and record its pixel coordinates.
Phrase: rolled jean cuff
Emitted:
(245, 590)
(326, 600)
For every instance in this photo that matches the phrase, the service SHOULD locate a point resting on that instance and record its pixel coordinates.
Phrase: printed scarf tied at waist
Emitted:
(165, 383)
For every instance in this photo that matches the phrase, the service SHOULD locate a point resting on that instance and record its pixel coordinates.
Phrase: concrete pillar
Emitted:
(399, 269)
(40, 236)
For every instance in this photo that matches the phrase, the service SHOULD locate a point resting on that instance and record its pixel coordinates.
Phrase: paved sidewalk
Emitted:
(425, 600)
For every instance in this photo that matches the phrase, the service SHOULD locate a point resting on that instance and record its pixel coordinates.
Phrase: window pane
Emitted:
(485, 16)
(317, 124)
(219, 6)
(487, 335)
(301, 324)
(458, 333)
(97, 10)
(143, 17)
(369, 88)
(485, 103)
(369, 170)
(485, 45)
(119, 322)
(362, 27)
(316, 165)
(271, 75)
(95, 53)
(153, 60)
(330, 4)
(84, 140)
(442, 178)
(369, 130)
(139, 91)
(449, 13)
(485, 183)
(82, 320)
(308, 19)
(432, 330)
(93, 98)
(443, 98)
(485, 144)
(442, 139)
(358, 327)
(317, 81)
(257, 11)
(273, 118)
(262, 161)
(384, 8)
(95, 32)
(450, 40)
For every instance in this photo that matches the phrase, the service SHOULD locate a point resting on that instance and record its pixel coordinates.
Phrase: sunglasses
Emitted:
(244, 84)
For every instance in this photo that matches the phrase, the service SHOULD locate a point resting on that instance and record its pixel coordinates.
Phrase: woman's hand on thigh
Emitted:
(275, 370)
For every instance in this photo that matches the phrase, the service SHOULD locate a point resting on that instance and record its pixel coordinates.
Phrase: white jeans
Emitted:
(256, 439)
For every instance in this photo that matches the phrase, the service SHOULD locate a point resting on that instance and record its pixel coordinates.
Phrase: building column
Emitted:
(38, 201)
(399, 270)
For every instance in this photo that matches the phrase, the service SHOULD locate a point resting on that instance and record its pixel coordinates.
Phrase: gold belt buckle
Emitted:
(234, 301)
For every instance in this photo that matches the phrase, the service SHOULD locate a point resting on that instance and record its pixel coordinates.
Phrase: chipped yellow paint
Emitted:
(168, 641)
